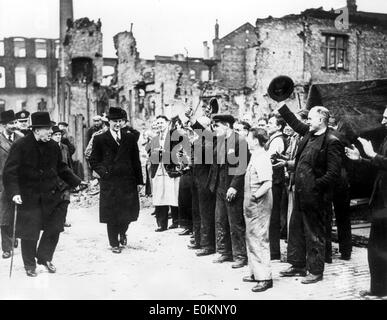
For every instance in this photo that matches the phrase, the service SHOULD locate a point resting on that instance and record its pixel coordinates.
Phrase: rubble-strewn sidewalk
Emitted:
(159, 266)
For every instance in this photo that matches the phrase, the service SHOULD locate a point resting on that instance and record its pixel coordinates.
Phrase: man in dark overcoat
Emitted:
(8, 135)
(115, 157)
(377, 244)
(317, 169)
(30, 179)
(226, 178)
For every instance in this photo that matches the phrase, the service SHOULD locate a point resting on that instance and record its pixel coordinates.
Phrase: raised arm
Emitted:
(297, 125)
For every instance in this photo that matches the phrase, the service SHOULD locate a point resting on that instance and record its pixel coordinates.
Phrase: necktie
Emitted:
(10, 138)
(118, 139)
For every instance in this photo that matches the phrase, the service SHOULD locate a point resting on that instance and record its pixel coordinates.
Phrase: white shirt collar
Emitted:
(115, 134)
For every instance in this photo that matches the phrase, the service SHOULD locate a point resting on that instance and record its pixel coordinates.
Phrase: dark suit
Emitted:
(224, 173)
(377, 244)
(6, 205)
(317, 169)
(203, 200)
(35, 178)
(119, 167)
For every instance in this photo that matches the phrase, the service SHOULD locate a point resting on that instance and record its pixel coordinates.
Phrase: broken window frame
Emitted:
(40, 48)
(3, 82)
(20, 77)
(19, 51)
(335, 53)
(57, 49)
(41, 78)
(2, 48)
(2, 105)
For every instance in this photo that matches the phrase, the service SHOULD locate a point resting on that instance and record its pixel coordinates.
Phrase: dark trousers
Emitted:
(206, 202)
(44, 252)
(196, 218)
(341, 204)
(6, 238)
(230, 227)
(275, 220)
(185, 201)
(162, 215)
(114, 230)
(307, 232)
(377, 252)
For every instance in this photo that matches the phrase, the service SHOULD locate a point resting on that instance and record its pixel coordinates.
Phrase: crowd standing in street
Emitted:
(236, 187)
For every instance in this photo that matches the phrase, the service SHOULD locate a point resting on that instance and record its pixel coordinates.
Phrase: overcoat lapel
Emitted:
(5, 144)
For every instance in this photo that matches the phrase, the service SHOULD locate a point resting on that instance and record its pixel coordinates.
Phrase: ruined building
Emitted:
(150, 87)
(311, 47)
(28, 73)
(83, 61)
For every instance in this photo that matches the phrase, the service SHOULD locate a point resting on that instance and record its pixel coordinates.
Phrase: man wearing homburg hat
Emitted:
(32, 183)
(8, 135)
(226, 178)
(115, 157)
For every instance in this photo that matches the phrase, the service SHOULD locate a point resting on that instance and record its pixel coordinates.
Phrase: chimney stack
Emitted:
(65, 12)
(216, 30)
(352, 7)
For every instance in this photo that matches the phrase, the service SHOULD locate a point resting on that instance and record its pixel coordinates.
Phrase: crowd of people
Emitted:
(236, 186)
(289, 180)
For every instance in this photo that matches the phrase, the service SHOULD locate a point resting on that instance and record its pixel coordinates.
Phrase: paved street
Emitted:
(159, 266)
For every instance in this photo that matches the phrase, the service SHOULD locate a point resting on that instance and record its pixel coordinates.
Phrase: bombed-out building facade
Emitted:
(313, 46)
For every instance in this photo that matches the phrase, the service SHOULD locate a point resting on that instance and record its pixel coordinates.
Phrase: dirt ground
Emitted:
(159, 266)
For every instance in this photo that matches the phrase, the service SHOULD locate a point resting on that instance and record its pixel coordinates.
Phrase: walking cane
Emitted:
(13, 240)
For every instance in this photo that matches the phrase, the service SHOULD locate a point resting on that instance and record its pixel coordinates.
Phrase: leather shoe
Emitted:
(194, 246)
(123, 240)
(185, 232)
(50, 267)
(368, 293)
(160, 229)
(223, 258)
(249, 279)
(275, 257)
(239, 264)
(312, 278)
(345, 256)
(6, 254)
(293, 272)
(116, 250)
(263, 286)
(205, 252)
(173, 226)
(31, 272)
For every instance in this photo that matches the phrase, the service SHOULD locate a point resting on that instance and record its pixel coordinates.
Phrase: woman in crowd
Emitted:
(258, 204)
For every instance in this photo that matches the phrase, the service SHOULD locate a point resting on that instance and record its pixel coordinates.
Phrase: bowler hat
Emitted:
(115, 114)
(7, 116)
(280, 88)
(56, 129)
(228, 118)
(40, 119)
